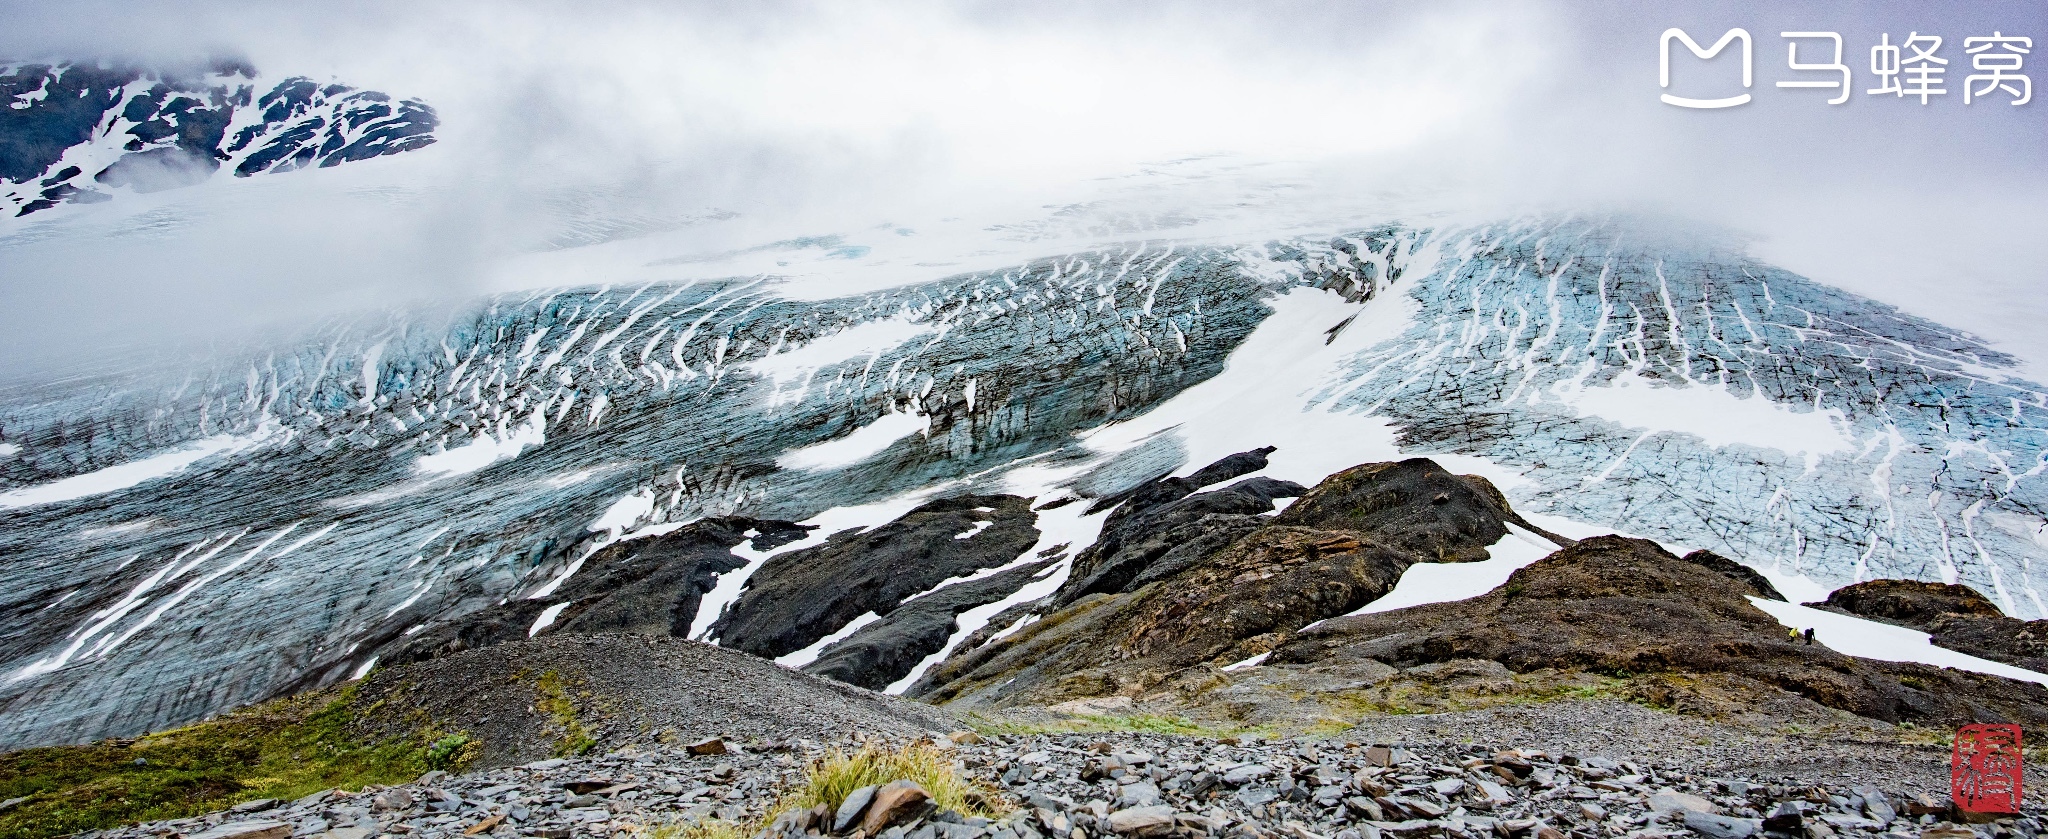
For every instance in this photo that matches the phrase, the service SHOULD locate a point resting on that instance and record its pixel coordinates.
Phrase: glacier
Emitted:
(1618, 373)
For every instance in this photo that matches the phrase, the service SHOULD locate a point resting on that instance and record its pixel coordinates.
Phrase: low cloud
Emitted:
(820, 117)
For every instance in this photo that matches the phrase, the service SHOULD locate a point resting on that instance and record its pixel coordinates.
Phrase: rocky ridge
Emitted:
(1257, 626)
(1174, 586)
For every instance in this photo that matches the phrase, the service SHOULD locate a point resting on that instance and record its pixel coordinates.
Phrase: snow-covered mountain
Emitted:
(184, 541)
(82, 132)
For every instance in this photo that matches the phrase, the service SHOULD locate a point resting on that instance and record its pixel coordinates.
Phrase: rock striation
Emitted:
(798, 597)
(648, 586)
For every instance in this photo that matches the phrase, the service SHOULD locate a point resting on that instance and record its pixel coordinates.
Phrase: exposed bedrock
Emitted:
(797, 598)
(877, 655)
(1343, 545)
(648, 586)
(1600, 613)
(916, 575)
(1162, 525)
(1953, 616)
(1616, 605)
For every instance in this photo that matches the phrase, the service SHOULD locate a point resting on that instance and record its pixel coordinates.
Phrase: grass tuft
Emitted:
(706, 829)
(831, 778)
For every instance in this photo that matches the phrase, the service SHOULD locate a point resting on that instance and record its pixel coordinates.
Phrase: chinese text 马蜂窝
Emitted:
(1912, 68)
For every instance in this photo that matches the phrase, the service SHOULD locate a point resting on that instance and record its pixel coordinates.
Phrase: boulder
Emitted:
(894, 803)
(246, 830)
(1672, 801)
(1142, 821)
(1719, 827)
(851, 808)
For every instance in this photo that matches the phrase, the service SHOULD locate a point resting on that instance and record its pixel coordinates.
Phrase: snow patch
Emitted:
(809, 654)
(1248, 663)
(1712, 413)
(486, 449)
(1442, 582)
(1277, 387)
(865, 442)
(625, 513)
(131, 473)
(622, 514)
(547, 618)
(1884, 642)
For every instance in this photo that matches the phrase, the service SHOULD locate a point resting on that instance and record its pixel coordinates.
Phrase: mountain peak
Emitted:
(82, 132)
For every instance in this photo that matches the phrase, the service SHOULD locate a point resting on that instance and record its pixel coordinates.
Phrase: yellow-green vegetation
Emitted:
(1408, 696)
(1091, 723)
(706, 829)
(828, 781)
(283, 749)
(552, 697)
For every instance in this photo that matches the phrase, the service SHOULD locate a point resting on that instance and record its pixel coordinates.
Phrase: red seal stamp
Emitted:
(1984, 773)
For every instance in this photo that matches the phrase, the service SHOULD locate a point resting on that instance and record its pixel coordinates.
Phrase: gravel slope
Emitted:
(521, 700)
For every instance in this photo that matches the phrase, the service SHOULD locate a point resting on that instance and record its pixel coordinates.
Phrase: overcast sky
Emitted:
(825, 116)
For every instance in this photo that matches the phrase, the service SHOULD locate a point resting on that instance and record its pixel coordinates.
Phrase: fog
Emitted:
(720, 127)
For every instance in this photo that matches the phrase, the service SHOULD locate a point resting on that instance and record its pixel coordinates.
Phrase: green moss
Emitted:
(288, 748)
(451, 752)
(552, 697)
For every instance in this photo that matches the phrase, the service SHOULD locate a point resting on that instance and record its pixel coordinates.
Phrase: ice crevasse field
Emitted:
(283, 513)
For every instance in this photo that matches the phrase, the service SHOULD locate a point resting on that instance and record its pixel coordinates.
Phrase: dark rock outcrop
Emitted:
(1910, 602)
(1413, 505)
(649, 586)
(1199, 603)
(796, 598)
(1626, 606)
(1736, 571)
(1164, 525)
(1953, 616)
(877, 655)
